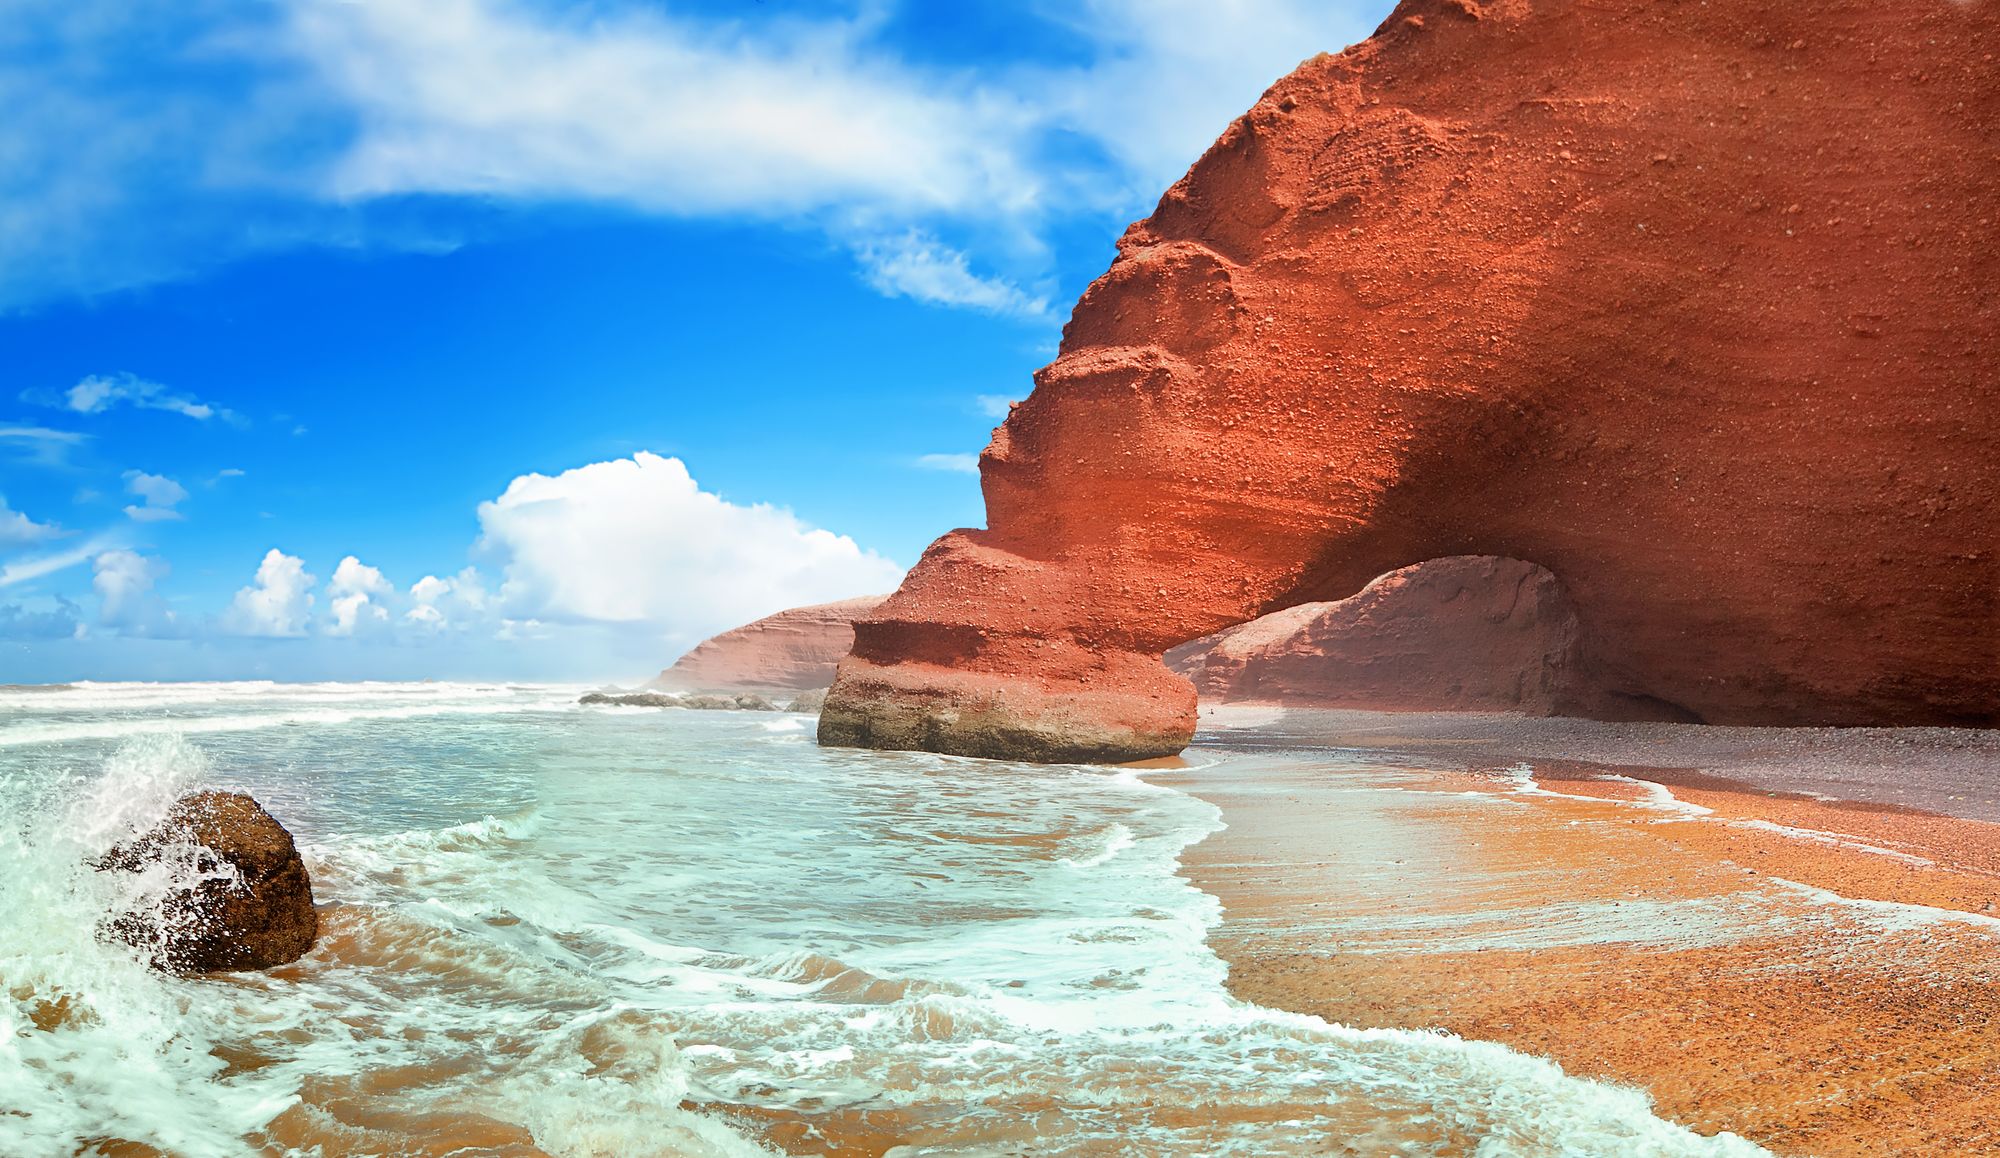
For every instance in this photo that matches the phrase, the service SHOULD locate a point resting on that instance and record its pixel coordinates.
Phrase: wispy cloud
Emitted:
(40, 445)
(18, 530)
(994, 405)
(308, 121)
(101, 392)
(955, 463)
(145, 142)
(482, 97)
(17, 571)
(917, 266)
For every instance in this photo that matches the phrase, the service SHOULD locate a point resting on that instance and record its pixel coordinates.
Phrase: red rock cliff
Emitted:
(792, 650)
(1694, 305)
(1465, 634)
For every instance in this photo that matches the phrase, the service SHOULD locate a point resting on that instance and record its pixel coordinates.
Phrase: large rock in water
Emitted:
(238, 896)
(1469, 633)
(1697, 306)
(790, 651)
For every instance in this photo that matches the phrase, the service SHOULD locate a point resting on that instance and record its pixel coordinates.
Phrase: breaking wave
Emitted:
(587, 933)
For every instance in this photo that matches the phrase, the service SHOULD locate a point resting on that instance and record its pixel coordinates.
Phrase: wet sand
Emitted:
(1788, 934)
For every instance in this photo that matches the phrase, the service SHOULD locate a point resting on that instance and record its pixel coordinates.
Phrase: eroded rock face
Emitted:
(1694, 306)
(1466, 634)
(790, 651)
(234, 893)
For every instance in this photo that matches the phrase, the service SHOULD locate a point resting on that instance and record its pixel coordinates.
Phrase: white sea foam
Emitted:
(1102, 846)
(1834, 839)
(110, 712)
(1888, 916)
(93, 1043)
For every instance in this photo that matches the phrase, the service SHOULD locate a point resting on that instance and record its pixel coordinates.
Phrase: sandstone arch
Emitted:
(1695, 306)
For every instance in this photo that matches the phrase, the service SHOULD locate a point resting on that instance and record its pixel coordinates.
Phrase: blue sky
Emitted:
(502, 339)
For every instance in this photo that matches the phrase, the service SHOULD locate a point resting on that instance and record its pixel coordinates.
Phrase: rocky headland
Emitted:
(794, 650)
(1693, 308)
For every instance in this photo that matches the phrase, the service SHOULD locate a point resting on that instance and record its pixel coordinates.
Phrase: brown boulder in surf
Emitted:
(236, 894)
(794, 650)
(1696, 306)
(1463, 634)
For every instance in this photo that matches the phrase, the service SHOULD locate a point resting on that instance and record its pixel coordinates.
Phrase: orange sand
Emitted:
(1819, 1028)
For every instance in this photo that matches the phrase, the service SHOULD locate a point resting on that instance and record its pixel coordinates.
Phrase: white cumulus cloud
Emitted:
(157, 496)
(440, 603)
(638, 541)
(277, 603)
(355, 597)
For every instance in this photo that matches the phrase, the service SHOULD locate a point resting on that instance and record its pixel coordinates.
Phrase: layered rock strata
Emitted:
(1469, 633)
(1696, 306)
(791, 651)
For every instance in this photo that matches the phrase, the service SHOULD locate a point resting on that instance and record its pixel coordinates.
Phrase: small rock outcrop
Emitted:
(237, 893)
(809, 702)
(1468, 633)
(1693, 305)
(633, 699)
(791, 651)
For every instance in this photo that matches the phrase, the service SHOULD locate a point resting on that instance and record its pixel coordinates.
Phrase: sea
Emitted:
(555, 929)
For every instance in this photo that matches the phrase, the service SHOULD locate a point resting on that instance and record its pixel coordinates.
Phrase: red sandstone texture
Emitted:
(1468, 634)
(792, 650)
(1693, 305)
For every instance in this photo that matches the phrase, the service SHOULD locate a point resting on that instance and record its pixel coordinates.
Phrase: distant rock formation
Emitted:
(238, 895)
(1697, 306)
(1468, 633)
(791, 651)
(740, 702)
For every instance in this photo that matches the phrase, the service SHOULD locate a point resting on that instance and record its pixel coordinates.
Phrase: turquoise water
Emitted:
(607, 931)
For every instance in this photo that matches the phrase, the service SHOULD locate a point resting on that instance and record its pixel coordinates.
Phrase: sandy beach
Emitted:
(1788, 934)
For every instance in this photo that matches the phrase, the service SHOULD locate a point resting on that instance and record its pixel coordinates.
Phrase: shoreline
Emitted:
(1790, 934)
